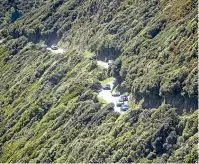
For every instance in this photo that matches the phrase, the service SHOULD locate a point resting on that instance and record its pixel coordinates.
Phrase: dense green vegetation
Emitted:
(49, 110)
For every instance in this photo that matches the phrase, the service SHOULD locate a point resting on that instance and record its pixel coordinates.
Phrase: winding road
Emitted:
(106, 94)
(102, 64)
(58, 51)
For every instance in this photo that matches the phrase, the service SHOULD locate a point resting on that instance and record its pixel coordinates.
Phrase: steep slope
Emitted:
(49, 106)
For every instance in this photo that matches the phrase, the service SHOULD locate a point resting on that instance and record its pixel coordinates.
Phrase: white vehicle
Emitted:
(54, 47)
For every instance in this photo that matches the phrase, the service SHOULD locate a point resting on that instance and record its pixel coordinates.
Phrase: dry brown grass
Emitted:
(177, 9)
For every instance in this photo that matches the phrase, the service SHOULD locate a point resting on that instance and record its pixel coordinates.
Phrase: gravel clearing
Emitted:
(58, 51)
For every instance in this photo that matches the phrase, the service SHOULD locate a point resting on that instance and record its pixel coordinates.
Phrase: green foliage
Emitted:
(107, 80)
(191, 126)
(50, 111)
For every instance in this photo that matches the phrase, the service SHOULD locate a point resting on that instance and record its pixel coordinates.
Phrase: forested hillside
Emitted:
(49, 105)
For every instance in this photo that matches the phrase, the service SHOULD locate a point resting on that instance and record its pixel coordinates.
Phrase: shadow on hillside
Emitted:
(106, 54)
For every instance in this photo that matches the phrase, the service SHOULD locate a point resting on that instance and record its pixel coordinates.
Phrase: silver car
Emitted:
(119, 102)
(54, 47)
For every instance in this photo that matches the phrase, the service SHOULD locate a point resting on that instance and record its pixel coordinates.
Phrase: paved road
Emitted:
(106, 95)
(103, 64)
(58, 51)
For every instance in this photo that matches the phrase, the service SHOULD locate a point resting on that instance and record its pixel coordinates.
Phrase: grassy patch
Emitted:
(108, 80)
(102, 100)
(3, 53)
(88, 54)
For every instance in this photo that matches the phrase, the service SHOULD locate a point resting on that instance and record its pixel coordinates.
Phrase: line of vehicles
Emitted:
(53, 47)
(122, 100)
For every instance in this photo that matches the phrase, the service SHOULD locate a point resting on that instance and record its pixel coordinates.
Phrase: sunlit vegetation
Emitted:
(49, 105)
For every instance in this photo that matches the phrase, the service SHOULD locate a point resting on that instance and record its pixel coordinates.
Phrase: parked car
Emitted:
(119, 102)
(107, 87)
(54, 47)
(124, 107)
(115, 93)
(124, 97)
